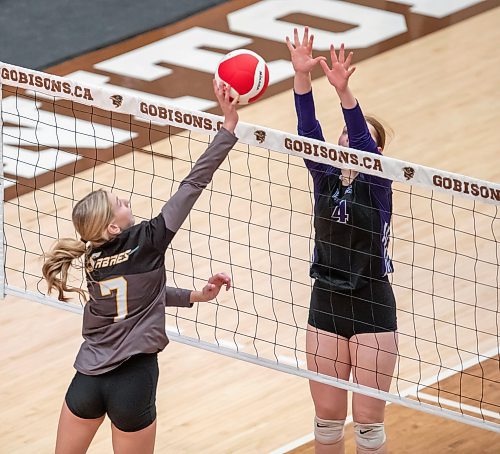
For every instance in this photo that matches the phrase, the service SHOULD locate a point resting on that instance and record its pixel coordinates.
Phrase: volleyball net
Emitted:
(62, 139)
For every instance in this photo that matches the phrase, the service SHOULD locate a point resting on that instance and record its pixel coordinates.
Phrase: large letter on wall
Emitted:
(438, 8)
(262, 19)
(181, 49)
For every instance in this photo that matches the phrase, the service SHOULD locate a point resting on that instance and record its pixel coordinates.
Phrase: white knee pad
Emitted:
(369, 436)
(328, 432)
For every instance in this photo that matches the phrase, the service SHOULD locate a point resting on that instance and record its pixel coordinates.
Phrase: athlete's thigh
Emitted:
(373, 358)
(328, 354)
(75, 434)
(141, 441)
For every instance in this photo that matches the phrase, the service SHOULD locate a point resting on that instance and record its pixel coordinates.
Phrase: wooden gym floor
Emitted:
(440, 96)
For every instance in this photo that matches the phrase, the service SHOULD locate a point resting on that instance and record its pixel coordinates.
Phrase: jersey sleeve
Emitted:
(177, 297)
(361, 139)
(163, 228)
(309, 126)
(178, 207)
(357, 130)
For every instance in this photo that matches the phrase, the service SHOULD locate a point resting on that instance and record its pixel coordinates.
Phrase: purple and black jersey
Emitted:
(352, 224)
(125, 314)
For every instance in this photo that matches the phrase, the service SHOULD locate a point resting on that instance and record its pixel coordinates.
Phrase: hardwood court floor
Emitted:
(412, 432)
(440, 95)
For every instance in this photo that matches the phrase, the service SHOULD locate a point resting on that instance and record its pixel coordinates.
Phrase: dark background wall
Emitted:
(40, 33)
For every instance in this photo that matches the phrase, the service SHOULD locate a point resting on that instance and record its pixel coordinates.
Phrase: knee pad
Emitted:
(328, 432)
(369, 436)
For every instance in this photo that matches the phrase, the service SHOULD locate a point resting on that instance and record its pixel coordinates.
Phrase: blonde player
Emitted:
(124, 318)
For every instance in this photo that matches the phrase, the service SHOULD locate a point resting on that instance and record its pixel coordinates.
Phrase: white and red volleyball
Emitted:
(246, 72)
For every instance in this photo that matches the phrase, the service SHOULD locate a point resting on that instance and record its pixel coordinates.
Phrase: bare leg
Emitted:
(373, 357)
(328, 354)
(142, 441)
(74, 434)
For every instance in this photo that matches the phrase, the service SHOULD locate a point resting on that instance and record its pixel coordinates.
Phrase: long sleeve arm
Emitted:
(309, 126)
(178, 297)
(357, 129)
(361, 139)
(178, 207)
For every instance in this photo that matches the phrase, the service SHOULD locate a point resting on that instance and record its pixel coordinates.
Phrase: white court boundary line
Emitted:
(413, 392)
(458, 405)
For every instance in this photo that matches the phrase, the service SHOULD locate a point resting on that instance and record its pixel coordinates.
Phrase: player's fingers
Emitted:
(333, 55)
(320, 59)
(310, 44)
(305, 37)
(236, 99)
(325, 66)
(348, 60)
(341, 54)
(296, 37)
(227, 91)
(218, 91)
(351, 71)
(226, 279)
(219, 277)
(289, 44)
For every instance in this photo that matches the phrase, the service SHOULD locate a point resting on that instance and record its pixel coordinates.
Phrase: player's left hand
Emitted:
(340, 72)
(212, 289)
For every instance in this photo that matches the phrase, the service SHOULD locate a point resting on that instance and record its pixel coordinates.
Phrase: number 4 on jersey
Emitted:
(340, 213)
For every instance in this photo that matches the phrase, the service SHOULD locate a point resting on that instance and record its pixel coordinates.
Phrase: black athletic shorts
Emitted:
(127, 394)
(371, 309)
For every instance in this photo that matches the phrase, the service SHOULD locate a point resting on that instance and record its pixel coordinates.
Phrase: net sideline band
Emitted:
(465, 187)
(340, 156)
(180, 117)
(52, 84)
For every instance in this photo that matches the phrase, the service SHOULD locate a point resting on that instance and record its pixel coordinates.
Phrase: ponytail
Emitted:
(57, 263)
(91, 216)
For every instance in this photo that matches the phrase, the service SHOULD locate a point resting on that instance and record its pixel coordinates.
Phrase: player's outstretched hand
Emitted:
(338, 75)
(227, 105)
(301, 52)
(214, 284)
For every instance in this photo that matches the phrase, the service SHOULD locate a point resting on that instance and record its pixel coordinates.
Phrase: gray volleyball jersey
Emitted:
(125, 314)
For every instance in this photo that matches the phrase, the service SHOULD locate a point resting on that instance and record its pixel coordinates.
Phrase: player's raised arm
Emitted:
(307, 123)
(361, 133)
(302, 60)
(339, 73)
(178, 207)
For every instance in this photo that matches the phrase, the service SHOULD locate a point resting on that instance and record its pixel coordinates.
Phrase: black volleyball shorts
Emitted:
(127, 394)
(371, 309)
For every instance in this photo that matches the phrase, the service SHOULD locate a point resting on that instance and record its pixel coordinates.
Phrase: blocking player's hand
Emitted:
(341, 70)
(214, 284)
(301, 52)
(228, 105)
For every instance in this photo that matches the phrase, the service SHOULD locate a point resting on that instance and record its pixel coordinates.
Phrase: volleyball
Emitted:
(246, 72)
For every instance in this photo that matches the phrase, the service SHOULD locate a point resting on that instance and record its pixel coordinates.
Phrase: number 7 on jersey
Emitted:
(120, 285)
